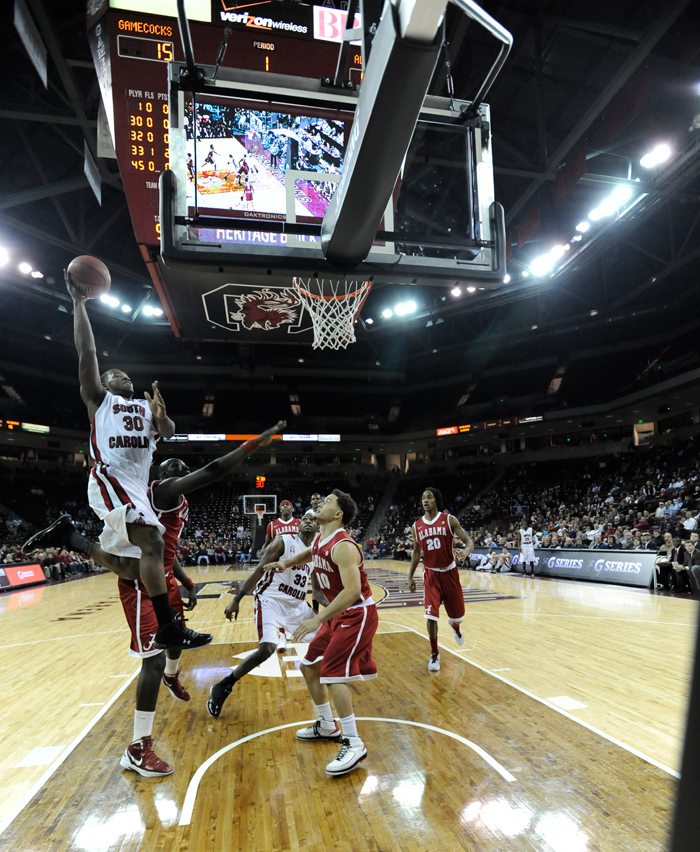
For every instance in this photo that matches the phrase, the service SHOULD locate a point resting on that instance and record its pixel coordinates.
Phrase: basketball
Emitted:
(90, 276)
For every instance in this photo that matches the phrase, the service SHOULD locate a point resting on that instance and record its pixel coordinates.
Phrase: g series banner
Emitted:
(625, 567)
(21, 575)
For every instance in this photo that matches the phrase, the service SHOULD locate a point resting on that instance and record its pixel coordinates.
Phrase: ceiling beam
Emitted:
(46, 191)
(654, 35)
(44, 117)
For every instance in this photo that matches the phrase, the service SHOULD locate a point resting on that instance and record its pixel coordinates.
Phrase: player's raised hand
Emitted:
(156, 403)
(74, 291)
(232, 610)
(266, 436)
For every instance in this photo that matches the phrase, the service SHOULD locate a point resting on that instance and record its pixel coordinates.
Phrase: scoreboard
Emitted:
(132, 41)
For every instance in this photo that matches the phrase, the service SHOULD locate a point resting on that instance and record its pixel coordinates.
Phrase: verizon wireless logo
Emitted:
(233, 15)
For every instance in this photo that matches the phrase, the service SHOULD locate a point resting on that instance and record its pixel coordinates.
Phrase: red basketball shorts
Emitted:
(344, 646)
(140, 616)
(443, 587)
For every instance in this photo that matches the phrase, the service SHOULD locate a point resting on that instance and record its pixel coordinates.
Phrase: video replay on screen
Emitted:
(255, 162)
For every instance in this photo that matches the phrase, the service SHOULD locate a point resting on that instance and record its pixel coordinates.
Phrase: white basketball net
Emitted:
(333, 306)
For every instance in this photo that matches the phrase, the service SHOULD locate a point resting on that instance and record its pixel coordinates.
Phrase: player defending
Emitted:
(123, 437)
(341, 651)
(433, 537)
(527, 550)
(167, 498)
(280, 604)
(284, 525)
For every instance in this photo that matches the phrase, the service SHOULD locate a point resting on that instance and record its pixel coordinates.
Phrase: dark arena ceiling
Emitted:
(589, 88)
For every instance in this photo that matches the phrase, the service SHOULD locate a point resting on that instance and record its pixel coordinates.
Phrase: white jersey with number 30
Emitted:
(123, 436)
(289, 585)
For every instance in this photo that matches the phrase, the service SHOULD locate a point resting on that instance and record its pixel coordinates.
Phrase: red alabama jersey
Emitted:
(173, 520)
(435, 539)
(280, 527)
(327, 571)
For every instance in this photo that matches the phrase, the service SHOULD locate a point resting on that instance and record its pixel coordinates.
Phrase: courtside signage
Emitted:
(23, 575)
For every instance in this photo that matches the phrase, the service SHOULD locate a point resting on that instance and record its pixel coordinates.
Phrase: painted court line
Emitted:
(192, 788)
(34, 789)
(592, 728)
(566, 703)
(40, 756)
(94, 704)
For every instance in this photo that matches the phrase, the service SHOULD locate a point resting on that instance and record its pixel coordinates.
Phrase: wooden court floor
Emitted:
(483, 755)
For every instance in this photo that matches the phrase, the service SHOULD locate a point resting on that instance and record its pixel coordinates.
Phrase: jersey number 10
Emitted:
(323, 581)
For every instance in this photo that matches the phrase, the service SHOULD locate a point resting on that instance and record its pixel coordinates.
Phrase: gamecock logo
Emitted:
(265, 309)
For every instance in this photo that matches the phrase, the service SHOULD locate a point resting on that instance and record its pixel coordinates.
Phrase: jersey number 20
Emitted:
(433, 543)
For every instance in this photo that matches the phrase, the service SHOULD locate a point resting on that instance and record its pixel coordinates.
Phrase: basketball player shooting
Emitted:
(341, 651)
(433, 537)
(168, 501)
(123, 437)
(279, 603)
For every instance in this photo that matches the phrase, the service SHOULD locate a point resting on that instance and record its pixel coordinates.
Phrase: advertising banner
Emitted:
(23, 575)
(626, 567)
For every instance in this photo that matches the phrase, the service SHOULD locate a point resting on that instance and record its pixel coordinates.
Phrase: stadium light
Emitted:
(112, 301)
(542, 265)
(506, 278)
(582, 227)
(37, 274)
(369, 321)
(157, 312)
(654, 158)
(387, 313)
(25, 268)
(404, 308)
(148, 311)
(126, 309)
(4, 257)
(622, 193)
(471, 289)
(526, 274)
(558, 251)
(456, 291)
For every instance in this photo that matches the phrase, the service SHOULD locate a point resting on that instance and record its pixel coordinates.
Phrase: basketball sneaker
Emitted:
(318, 732)
(56, 535)
(176, 635)
(352, 753)
(434, 664)
(140, 757)
(282, 642)
(457, 632)
(217, 695)
(174, 687)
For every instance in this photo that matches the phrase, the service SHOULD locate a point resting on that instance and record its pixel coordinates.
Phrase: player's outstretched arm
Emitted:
(304, 556)
(273, 552)
(460, 532)
(168, 492)
(91, 389)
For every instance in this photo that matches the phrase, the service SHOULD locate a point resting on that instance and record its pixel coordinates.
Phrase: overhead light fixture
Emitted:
(583, 227)
(157, 312)
(301, 360)
(658, 155)
(622, 193)
(471, 289)
(577, 238)
(37, 274)
(542, 265)
(148, 311)
(387, 313)
(594, 313)
(4, 257)
(112, 301)
(558, 251)
(404, 308)
(25, 268)
(126, 309)
(608, 206)
(369, 321)
(506, 279)
(526, 274)
(456, 291)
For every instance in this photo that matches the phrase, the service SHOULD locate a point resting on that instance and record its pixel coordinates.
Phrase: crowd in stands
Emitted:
(647, 499)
